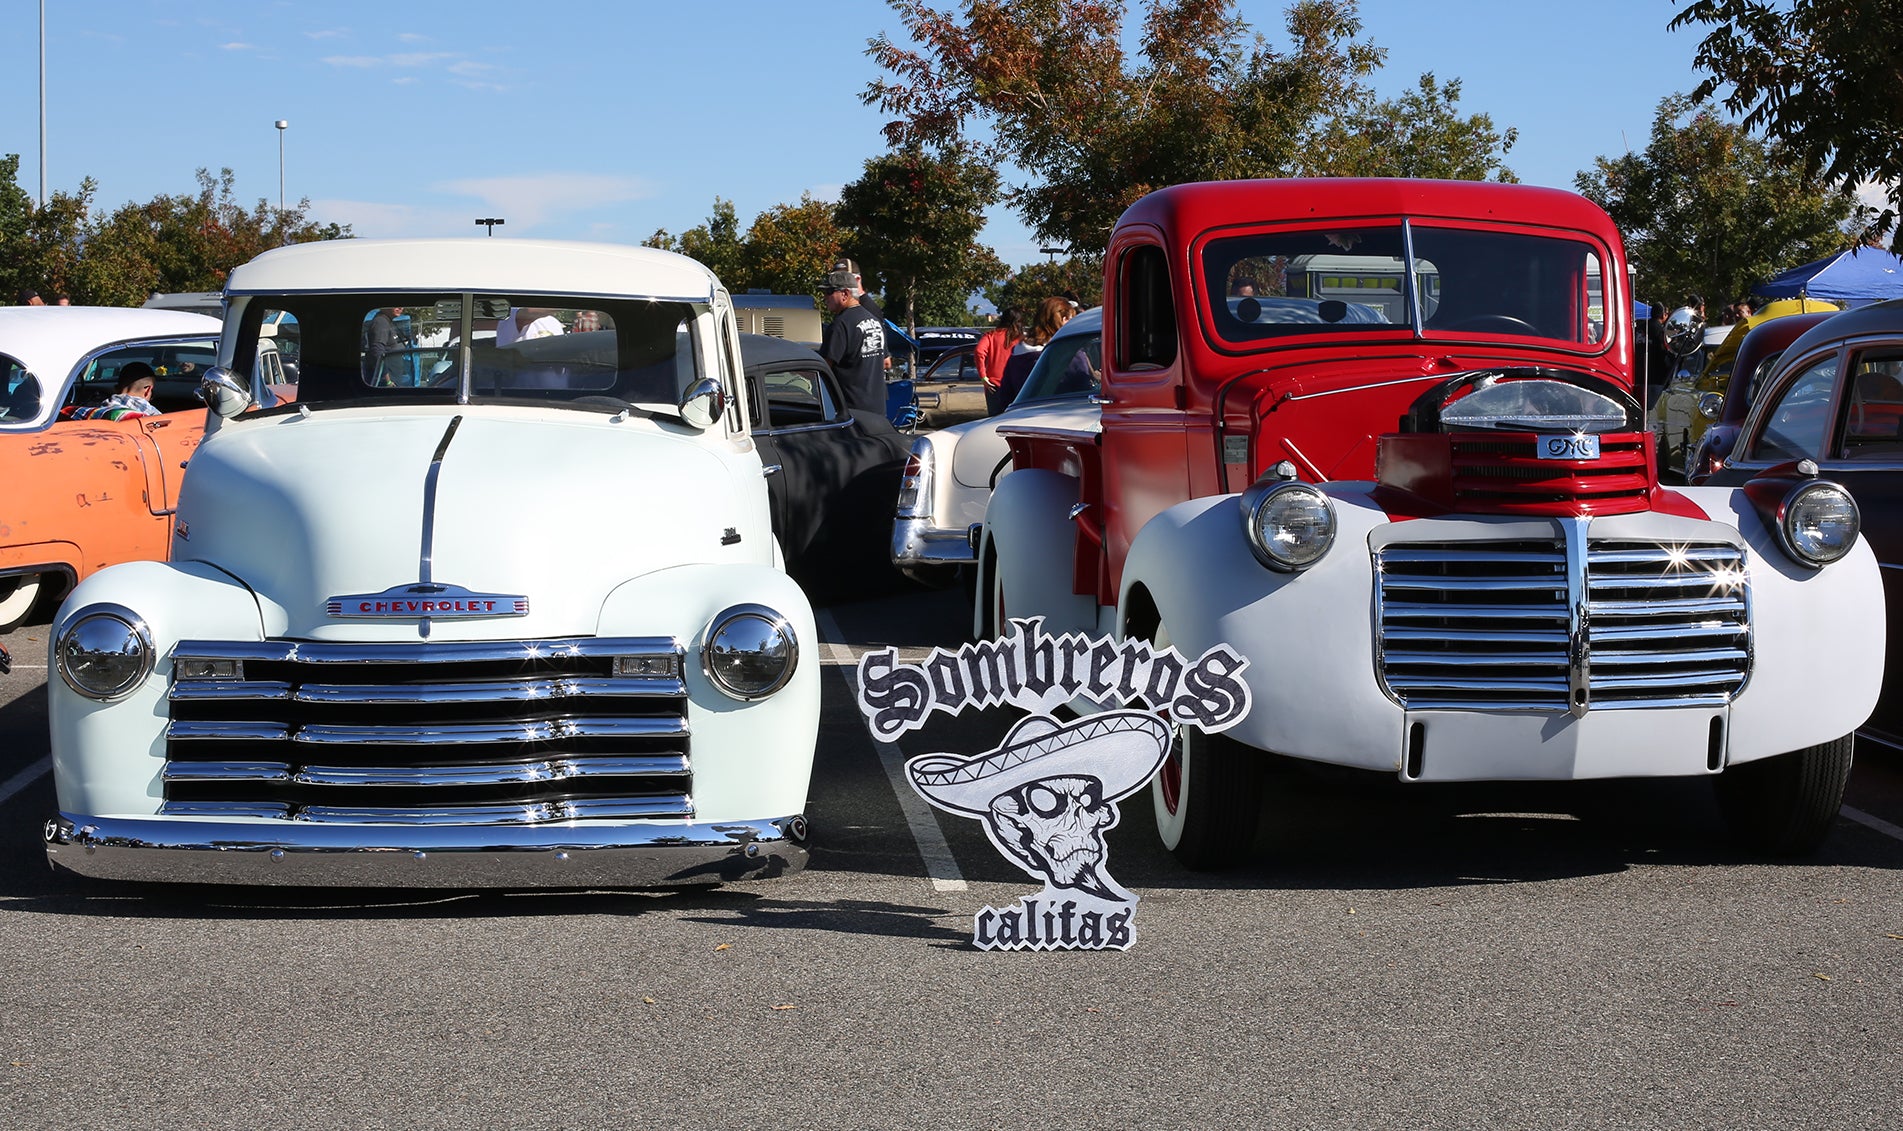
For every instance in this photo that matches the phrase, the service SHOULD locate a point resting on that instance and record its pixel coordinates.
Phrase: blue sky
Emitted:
(607, 120)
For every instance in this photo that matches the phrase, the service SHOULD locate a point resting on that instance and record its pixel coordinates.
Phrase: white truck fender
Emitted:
(1029, 552)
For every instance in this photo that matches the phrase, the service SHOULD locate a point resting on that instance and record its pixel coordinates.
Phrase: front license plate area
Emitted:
(1569, 447)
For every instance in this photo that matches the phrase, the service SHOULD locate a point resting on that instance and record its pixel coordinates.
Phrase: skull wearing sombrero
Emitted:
(1047, 793)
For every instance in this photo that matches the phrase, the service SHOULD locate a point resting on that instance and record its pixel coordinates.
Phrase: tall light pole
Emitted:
(42, 103)
(490, 223)
(282, 126)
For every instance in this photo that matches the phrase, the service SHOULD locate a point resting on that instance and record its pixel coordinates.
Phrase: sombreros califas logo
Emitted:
(1046, 796)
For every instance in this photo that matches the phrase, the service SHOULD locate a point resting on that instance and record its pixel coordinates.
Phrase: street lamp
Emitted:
(490, 223)
(282, 126)
(1053, 252)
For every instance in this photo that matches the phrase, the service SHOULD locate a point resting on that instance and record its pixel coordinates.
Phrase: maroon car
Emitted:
(1758, 355)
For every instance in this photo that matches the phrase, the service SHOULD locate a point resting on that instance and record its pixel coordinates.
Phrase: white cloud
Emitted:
(407, 60)
(412, 37)
(372, 220)
(237, 47)
(526, 201)
(327, 33)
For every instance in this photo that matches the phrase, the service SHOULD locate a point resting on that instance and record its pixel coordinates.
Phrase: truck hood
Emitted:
(554, 506)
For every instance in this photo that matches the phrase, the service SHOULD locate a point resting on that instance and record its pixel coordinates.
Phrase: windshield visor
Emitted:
(1445, 282)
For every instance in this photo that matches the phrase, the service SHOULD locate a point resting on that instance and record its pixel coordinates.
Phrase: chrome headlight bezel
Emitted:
(1267, 510)
(1797, 513)
(772, 639)
(78, 658)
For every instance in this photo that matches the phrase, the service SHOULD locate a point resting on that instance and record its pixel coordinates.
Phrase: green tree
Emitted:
(915, 216)
(1035, 282)
(1420, 134)
(715, 245)
(1824, 78)
(1707, 208)
(790, 246)
(1204, 99)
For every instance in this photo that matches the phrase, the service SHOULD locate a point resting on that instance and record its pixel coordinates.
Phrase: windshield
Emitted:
(1459, 281)
(1071, 365)
(478, 347)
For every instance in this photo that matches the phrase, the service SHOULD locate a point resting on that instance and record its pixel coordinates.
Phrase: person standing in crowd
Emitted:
(859, 287)
(1051, 315)
(380, 341)
(991, 353)
(30, 297)
(855, 344)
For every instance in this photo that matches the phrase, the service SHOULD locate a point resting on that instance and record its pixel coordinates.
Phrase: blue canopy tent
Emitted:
(1856, 277)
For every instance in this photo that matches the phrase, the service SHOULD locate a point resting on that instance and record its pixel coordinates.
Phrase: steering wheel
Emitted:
(1502, 323)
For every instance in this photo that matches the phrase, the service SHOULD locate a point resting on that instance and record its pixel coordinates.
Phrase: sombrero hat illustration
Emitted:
(1121, 749)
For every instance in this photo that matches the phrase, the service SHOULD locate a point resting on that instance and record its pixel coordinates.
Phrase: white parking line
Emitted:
(24, 778)
(940, 865)
(1894, 832)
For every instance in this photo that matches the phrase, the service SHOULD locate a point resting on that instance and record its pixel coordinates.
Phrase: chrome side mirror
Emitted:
(223, 393)
(1710, 405)
(704, 403)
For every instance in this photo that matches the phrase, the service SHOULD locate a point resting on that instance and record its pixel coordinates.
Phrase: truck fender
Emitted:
(1028, 554)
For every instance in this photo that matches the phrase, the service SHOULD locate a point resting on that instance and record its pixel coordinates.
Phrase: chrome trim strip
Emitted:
(234, 690)
(451, 652)
(1579, 620)
(226, 771)
(190, 730)
(513, 691)
(639, 854)
(511, 773)
(261, 811)
(670, 807)
(429, 505)
(459, 734)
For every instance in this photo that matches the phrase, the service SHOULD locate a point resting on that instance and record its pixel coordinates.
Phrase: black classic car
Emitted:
(1834, 406)
(837, 469)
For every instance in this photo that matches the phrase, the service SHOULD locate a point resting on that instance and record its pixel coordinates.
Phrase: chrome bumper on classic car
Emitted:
(917, 544)
(459, 856)
(504, 763)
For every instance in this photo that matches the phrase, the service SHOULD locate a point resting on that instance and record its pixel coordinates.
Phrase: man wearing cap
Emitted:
(855, 343)
(859, 287)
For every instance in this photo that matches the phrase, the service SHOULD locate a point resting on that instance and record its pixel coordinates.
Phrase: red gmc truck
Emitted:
(1380, 437)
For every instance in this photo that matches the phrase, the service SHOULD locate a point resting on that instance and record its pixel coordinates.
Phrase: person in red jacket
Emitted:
(992, 351)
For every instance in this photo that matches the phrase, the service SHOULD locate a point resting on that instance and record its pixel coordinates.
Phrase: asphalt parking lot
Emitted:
(1386, 957)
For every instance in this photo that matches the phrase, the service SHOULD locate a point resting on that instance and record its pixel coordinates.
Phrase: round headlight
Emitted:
(104, 652)
(1289, 525)
(1819, 523)
(750, 652)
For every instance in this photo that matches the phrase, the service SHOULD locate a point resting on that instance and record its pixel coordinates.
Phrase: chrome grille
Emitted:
(1668, 623)
(509, 732)
(1516, 626)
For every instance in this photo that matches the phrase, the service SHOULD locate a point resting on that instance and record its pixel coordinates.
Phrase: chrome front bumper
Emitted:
(917, 544)
(401, 856)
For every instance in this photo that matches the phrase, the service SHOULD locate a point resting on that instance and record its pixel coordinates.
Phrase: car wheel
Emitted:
(18, 594)
(1207, 797)
(1785, 804)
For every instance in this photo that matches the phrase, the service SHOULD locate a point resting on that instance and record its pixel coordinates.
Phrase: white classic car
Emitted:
(952, 471)
(519, 620)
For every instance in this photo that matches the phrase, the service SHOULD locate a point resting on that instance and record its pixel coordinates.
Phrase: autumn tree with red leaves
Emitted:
(1046, 88)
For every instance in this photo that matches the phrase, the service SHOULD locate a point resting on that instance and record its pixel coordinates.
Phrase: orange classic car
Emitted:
(80, 490)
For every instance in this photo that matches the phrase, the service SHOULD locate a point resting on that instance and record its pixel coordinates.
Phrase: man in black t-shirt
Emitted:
(854, 345)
